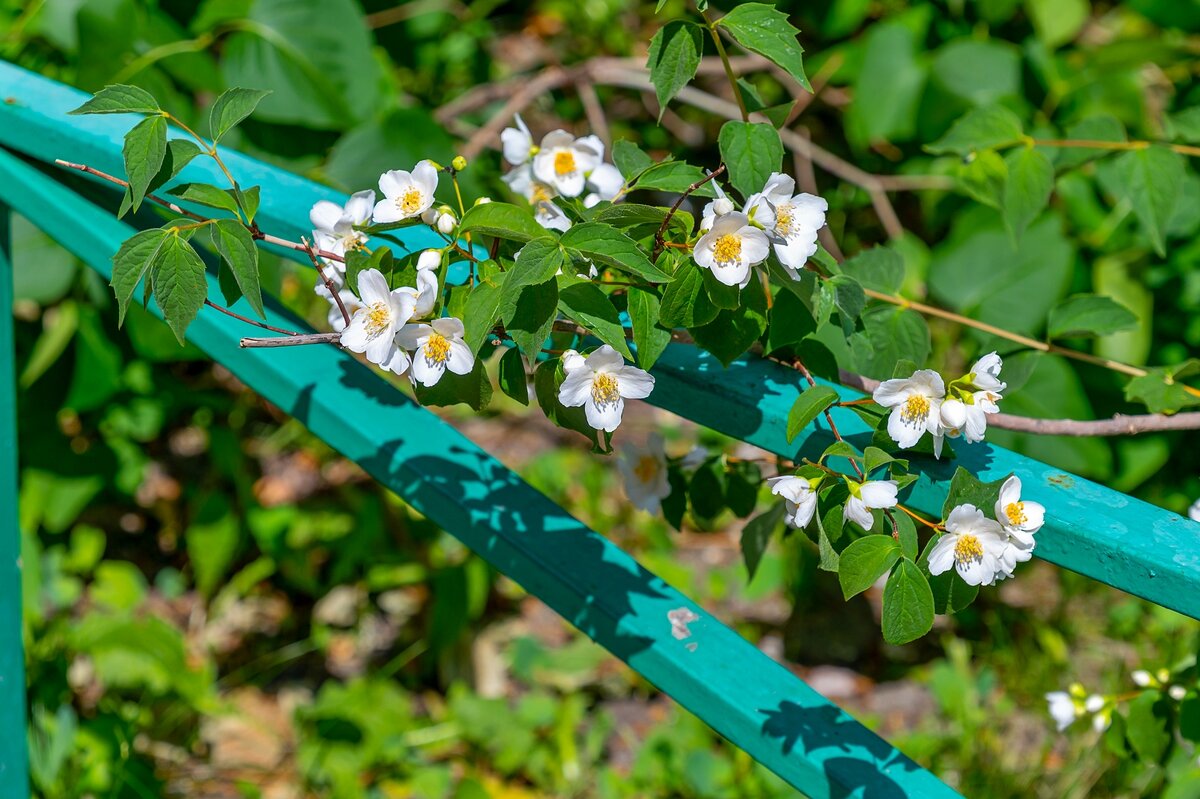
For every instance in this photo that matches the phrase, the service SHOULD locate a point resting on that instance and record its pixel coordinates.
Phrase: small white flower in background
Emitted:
(430, 259)
(800, 501)
(517, 143)
(337, 322)
(372, 329)
(720, 206)
(446, 221)
(406, 194)
(1177, 692)
(972, 544)
(1143, 679)
(436, 347)
(1063, 709)
(333, 224)
(644, 472)
(866, 496)
(551, 217)
(605, 183)
(694, 458)
(792, 219)
(564, 162)
(601, 383)
(985, 377)
(916, 404)
(1194, 511)
(1102, 711)
(540, 196)
(730, 248)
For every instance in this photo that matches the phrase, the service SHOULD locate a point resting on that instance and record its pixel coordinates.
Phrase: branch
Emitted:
(250, 321)
(329, 284)
(291, 341)
(659, 241)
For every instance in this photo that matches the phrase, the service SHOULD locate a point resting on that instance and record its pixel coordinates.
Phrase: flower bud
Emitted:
(459, 163)
(483, 201)
(1177, 692)
(1094, 704)
(954, 414)
(722, 206)
(446, 222)
(1142, 678)
(430, 259)
(429, 216)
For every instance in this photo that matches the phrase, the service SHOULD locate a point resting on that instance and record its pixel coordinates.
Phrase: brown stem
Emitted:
(291, 341)
(659, 241)
(329, 284)
(799, 365)
(250, 321)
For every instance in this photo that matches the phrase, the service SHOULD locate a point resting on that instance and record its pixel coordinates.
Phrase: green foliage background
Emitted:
(178, 534)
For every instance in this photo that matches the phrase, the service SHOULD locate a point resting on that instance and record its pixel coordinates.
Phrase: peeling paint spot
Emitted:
(692, 646)
(1061, 480)
(680, 618)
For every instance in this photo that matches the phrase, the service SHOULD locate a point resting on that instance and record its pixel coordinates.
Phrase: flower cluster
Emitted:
(982, 550)
(800, 498)
(1066, 707)
(924, 403)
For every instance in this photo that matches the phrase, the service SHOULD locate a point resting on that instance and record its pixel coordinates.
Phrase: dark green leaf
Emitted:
(479, 317)
(751, 152)
(205, 194)
(529, 313)
(606, 245)
(1149, 726)
(907, 604)
(757, 534)
(650, 338)
(1161, 389)
(706, 490)
(764, 29)
(675, 176)
(629, 159)
(120, 99)
(235, 244)
(808, 406)
(674, 55)
(733, 332)
(537, 262)
(1088, 315)
(179, 283)
(685, 303)
(513, 380)
(546, 381)
(501, 220)
(741, 487)
(967, 489)
(473, 389)
(865, 561)
(144, 150)
(130, 263)
(1027, 191)
(878, 268)
(232, 107)
(589, 306)
(357, 261)
(1152, 179)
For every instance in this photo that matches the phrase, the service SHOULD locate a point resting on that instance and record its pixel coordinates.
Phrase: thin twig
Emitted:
(799, 365)
(659, 240)
(250, 321)
(329, 284)
(291, 341)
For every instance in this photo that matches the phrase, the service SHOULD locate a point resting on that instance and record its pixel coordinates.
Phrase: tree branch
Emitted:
(659, 241)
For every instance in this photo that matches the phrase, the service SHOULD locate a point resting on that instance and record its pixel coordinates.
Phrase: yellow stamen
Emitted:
(604, 389)
(783, 219)
(540, 194)
(915, 409)
(410, 202)
(1015, 511)
(437, 349)
(564, 162)
(727, 249)
(646, 468)
(379, 316)
(968, 549)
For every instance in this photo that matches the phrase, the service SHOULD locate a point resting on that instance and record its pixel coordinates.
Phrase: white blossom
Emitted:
(792, 220)
(1019, 520)
(425, 293)
(562, 161)
(372, 329)
(446, 221)
(601, 383)
(916, 404)
(333, 224)
(517, 143)
(972, 544)
(985, 374)
(1142, 678)
(720, 206)
(730, 248)
(407, 194)
(800, 501)
(1063, 709)
(436, 347)
(866, 496)
(694, 458)
(605, 183)
(644, 472)
(430, 259)
(540, 195)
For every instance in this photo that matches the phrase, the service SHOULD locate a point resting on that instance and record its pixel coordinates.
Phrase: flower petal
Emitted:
(576, 388)
(461, 361)
(604, 417)
(634, 383)
(324, 215)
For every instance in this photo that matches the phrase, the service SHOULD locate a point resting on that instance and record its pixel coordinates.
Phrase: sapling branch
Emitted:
(250, 321)
(328, 281)
(660, 235)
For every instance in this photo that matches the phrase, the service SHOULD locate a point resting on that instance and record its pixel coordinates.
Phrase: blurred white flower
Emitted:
(1194, 511)
(800, 501)
(866, 496)
(916, 404)
(540, 195)
(333, 225)
(517, 143)
(436, 347)
(562, 161)
(337, 323)
(644, 472)
(601, 383)
(1063, 709)
(373, 327)
(792, 219)
(407, 194)
(1142, 678)
(972, 544)
(694, 458)
(730, 248)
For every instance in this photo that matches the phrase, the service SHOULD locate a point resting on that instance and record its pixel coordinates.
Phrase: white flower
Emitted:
(333, 225)
(483, 200)
(731, 248)
(982, 404)
(372, 329)
(971, 544)
(644, 471)
(407, 194)
(337, 322)
(800, 501)
(1194, 511)
(517, 143)
(721, 206)
(426, 293)
(865, 496)
(985, 374)
(1020, 519)
(606, 182)
(430, 259)
(916, 404)
(430, 216)
(564, 162)
(953, 415)
(792, 219)
(1142, 678)
(601, 383)
(540, 196)
(436, 347)
(551, 217)
(446, 222)
(1063, 709)
(1177, 692)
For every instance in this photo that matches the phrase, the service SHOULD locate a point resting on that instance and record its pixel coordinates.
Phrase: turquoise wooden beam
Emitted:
(1104, 534)
(14, 755)
(744, 695)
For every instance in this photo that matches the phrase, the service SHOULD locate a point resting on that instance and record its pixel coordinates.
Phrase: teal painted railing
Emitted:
(772, 714)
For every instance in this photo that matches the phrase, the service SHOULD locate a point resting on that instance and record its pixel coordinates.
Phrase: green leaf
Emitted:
(791, 322)
(473, 389)
(179, 154)
(529, 313)
(1058, 21)
(829, 529)
(846, 295)
(650, 338)
(205, 194)
(589, 306)
(675, 176)
(606, 245)
(1088, 315)
(629, 159)
(537, 262)
(1152, 179)
(907, 604)
(674, 56)
(685, 303)
(890, 81)
(120, 99)
(144, 150)
(733, 332)
(1185, 125)
(179, 283)
(890, 334)
(513, 380)
(1027, 190)
(706, 490)
(878, 268)
(1104, 127)
(1161, 389)
(232, 107)
(874, 457)
(235, 244)
(865, 561)
(763, 29)
(808, 406)
(359, 260)
(751, 152)
(502, 220)
(907, 530)
(546, 381)
(984, 178)
(250, 202)
(481, 312)
(130, 264)
(980, 129)
(742, 482)
(967, 489)
(757, 534)
(1149, 726)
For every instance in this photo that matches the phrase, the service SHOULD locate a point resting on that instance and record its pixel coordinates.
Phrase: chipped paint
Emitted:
(680, 618)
